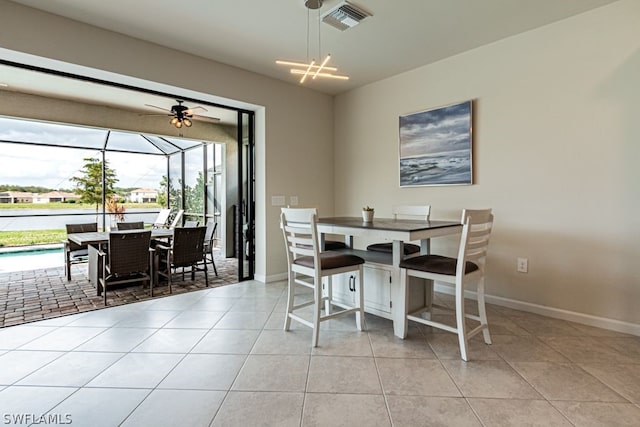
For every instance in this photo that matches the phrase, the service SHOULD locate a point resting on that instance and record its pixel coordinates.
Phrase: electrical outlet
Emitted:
(523, 265)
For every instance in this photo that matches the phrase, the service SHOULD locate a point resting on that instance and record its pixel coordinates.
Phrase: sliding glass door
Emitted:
(246, 196)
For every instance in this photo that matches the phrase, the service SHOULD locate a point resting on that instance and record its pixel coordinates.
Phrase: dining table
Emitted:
(398, 231)
(96, 240)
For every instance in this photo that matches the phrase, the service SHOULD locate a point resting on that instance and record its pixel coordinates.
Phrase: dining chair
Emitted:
(405, 212)
(466, 269)
(186, 250)
(74, 253)
(162, 218)
(209, 243)
(137, 225)
(307, 266)
(127, 259)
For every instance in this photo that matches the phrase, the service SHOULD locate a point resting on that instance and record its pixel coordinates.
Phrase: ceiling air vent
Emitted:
(345, 15)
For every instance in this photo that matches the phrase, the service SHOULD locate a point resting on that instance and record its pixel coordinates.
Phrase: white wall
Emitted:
(295, 123)
(556, 151)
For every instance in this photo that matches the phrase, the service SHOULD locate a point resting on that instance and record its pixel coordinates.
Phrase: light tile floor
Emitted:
(219, 357)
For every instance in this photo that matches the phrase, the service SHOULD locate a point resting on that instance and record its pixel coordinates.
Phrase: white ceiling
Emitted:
(251, 34)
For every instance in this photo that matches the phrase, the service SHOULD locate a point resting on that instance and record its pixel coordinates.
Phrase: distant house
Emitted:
(143, 195)
(16, 197)
(55, 197)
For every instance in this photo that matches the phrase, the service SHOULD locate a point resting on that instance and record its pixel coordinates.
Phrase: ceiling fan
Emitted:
(181, 115)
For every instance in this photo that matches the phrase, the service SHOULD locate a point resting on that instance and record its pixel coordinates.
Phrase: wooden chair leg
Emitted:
(482, 312)
(290, 296)
(316, 313)
(460, 321)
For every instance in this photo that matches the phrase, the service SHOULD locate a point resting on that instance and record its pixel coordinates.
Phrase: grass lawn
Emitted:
(31, 237)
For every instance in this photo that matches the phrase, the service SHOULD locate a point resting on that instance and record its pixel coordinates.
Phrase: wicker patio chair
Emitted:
(74, 253)
(186, 250)
(127, 260)
(137, 225)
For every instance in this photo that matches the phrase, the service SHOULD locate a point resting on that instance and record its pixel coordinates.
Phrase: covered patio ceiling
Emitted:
(39, 133)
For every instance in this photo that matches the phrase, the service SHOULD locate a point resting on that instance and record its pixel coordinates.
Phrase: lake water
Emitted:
(47, 219)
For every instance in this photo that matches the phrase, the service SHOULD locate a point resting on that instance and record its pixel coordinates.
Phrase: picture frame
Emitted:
(436, 146)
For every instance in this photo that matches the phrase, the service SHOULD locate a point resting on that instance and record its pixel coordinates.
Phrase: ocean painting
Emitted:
(435, 146)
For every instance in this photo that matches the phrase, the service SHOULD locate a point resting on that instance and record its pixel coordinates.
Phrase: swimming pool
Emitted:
(31, 258)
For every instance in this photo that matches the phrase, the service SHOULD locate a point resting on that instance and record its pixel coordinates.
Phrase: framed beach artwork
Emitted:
(435, 146)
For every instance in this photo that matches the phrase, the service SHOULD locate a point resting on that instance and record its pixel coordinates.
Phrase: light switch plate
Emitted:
(278, 200)
(293, 200)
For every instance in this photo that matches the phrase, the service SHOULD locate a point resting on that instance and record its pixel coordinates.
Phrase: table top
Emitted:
(99, 237)
(389, 224)
(388, 228)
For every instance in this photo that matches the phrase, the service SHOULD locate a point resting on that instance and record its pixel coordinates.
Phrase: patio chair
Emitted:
(209, 243)
(191, 224)
(177, 219)
(138, 225)
(186, 250)
(74, 253)
(161, 220)
(127, 260)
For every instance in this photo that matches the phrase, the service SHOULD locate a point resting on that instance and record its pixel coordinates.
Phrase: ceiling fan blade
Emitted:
(159, 108)
(197, 107)
(152, 115)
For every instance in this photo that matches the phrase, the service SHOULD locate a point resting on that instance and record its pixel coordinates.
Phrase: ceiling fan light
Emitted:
(178, 124)
(174, 120)
(187, 123)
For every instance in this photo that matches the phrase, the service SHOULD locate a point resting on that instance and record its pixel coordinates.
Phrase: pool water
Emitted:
(30, 258)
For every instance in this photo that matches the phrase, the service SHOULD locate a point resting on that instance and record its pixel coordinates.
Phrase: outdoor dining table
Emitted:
(398, 231)
(96, 239)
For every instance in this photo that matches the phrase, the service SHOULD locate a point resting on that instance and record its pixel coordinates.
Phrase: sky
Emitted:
(53, 167)
(436, 131)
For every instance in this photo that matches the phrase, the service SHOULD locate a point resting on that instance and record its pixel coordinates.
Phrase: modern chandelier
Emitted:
(312, 69)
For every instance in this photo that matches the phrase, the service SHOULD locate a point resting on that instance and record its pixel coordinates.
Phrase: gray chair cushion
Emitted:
(80, 253)
(330, 260)
(409, 248)
(436, 264)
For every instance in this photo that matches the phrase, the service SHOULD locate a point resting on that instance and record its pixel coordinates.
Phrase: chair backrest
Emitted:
(209, 236)
(177, 219)
(412, 212)
(80, 228)
(129, 252)
(191, 223)
(163, 217)
(187, 245)
(300, 234)
(138, 225)
(477, 225)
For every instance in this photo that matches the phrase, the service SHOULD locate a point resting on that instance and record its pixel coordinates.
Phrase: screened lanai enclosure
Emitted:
(207, 180)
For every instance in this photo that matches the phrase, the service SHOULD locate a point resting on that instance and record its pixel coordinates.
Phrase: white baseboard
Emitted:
(556, 313)
(270, 279)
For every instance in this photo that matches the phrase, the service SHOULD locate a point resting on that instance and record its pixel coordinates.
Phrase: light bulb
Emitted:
(174, 121)
(178, 124)
(187, 123)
